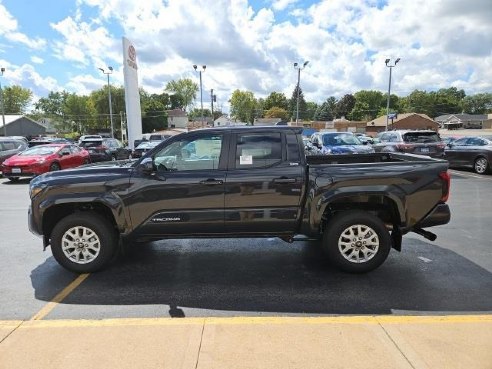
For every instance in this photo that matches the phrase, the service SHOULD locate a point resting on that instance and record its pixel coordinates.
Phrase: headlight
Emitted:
(36, 189)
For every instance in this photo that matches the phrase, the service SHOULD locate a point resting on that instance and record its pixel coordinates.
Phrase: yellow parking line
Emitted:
(373, 319)
(59, 297)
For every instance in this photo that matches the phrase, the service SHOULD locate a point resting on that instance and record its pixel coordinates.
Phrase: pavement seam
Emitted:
(396, 345)
(200, 346)
(13, 330)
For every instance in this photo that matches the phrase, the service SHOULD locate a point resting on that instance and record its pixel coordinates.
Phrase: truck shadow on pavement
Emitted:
(255, 276)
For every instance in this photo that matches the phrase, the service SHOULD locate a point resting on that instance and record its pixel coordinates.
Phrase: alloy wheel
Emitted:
(358, 243)
(80, 245)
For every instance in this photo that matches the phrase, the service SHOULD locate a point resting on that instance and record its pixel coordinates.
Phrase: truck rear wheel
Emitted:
(356, 241)
(83, 242)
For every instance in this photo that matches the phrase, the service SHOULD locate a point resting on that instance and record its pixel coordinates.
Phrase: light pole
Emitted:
(201, 90)
(3, 105)
(110, 71)
(299, 68)
(388, 64)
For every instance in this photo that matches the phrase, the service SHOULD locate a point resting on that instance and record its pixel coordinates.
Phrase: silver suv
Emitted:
(11, 146)
(425, 142)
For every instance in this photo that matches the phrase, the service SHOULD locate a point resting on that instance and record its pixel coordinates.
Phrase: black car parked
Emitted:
(471, 152)
(104, 149)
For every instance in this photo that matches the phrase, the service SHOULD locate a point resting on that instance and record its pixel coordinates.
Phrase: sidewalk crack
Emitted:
(13, 330)
(397, 347)
(200, 346)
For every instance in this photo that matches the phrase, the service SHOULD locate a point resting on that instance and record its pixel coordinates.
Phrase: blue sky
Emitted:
(250, 45)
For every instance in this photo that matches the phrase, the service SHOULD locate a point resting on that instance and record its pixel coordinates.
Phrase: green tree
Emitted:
(16, 99)
(51, 107)
(185, 89)
(420, 102)
(243, 104)
(395, 105)
(311, 108)
(477, 104)
(276, 99)
(276, 112)
(302, 104)
(344, 106)
(448, 101)
(326, 111)
(196, 114)
(79, 113)
(154, 114)
(100, 100)
(367, 104)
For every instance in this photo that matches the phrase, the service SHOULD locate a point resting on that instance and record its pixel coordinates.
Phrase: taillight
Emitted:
(404, 147)
(441, 145)
(446, 178)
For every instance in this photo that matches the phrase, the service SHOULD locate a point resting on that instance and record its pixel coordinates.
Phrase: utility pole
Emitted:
(212, 100)
(201, 89)
(389, 89)
(3, 105)
(299, 68)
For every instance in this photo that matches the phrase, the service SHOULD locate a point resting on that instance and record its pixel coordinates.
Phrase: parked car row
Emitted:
(474, 152)
(22, 158)
(44, 158)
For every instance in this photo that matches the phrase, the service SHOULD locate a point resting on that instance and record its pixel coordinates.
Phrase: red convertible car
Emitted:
(44, 158)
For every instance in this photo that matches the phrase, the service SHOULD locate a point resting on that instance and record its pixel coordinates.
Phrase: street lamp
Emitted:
(110, 71)
(299, 68)
(388, 64)
(3, 105)
(201, 93)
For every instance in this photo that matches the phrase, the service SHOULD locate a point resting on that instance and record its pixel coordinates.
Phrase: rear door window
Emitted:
(258, 150)
(421, 137)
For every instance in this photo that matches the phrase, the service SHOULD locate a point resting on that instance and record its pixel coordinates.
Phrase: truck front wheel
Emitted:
(83, 242)
(356, 241)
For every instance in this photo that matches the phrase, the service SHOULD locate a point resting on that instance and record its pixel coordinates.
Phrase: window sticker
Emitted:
(246, 160)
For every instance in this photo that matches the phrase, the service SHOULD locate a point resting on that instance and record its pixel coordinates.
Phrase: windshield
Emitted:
(148, 145)
(93, 143)
(40, 150)
(421, 137)
(340, 140)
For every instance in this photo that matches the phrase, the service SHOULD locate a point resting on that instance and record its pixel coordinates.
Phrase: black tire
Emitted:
(103, 237)
(86, 161)
(481, 165)
(54, 167)
(339, 232)
(113, 158)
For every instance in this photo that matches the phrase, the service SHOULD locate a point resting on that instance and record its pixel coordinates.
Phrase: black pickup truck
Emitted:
(241, 182)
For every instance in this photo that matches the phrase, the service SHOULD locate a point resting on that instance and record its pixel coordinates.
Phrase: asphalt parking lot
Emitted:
(251, 277)
(252, 303)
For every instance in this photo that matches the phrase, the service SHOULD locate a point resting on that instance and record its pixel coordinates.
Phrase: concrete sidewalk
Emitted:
(234, 343)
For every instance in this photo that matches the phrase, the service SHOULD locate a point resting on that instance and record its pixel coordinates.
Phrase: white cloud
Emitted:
(282, 4)
(9, 30)
(440, 44)
(37, 60)
(84, 43)
(26, 76)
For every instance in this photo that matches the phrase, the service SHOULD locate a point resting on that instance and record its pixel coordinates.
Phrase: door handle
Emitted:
(211, 182)
(284, 180)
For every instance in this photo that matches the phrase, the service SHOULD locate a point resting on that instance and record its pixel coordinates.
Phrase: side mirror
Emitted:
(64, 153)
(146, 165)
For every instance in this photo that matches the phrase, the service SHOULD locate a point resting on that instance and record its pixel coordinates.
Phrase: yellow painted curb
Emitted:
(369, 319)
